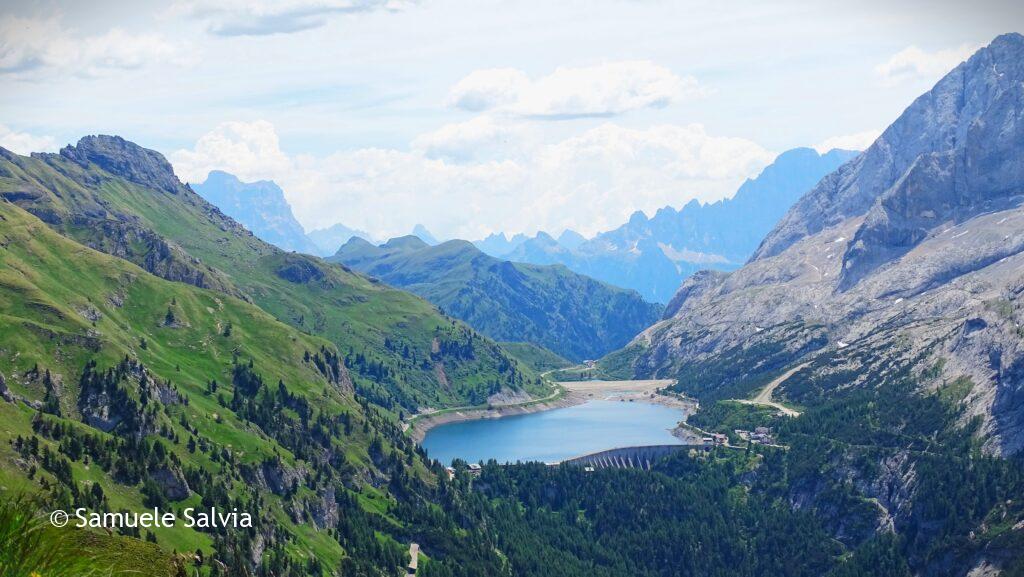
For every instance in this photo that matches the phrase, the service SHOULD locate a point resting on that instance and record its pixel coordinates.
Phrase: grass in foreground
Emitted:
(31, 547)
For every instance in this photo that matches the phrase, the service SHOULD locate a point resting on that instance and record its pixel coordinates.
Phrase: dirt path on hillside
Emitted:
(764, 397)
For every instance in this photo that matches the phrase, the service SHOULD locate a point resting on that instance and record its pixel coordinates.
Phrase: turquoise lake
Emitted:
(556, 434)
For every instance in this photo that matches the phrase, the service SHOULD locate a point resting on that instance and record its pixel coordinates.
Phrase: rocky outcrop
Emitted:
(323, 508)
(107, 399)
(274, 475)
(122, 238)
(300, 269)
(125, 159)
(171, 482)
(5, 393)
(699, 283)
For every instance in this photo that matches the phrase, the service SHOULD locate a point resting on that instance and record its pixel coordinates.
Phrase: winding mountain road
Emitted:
(764, 397)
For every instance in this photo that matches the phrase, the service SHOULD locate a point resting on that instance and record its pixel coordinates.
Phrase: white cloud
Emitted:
(855, 141)
(913, 62)
(489, 88)
(249, 150)
(593, 91)
(265, 17)
(479, 138)
(594, 181)
(23, 143)
(33, 45)
(589, 182)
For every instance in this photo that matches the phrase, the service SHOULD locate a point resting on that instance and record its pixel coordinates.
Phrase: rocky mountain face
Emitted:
(259, 206)
(653, 255)
(31, 183)
(906, 263)
(118, 156)
(551, 306)
(425, 235)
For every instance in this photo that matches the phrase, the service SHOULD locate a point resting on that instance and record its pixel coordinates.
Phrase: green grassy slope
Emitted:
(573, 315)
(66, 307)
(536, 357)
(123, 200)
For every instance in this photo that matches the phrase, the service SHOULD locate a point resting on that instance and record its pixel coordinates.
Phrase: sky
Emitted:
(472, 117)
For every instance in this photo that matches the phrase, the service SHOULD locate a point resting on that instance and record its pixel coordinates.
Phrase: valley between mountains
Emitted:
(169, 345)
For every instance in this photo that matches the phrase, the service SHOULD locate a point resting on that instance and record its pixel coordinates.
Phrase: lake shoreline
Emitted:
(572, 393)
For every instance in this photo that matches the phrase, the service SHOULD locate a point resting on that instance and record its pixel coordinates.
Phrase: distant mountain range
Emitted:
(654, 255)
(498, 245)
(260, 206)
(650, 255)
(572, 315)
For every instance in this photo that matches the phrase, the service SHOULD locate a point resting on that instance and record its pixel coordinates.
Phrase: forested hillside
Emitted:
(122, 391)
(572, 315)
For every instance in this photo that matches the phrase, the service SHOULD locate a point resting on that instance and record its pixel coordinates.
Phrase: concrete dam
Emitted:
(631, 457)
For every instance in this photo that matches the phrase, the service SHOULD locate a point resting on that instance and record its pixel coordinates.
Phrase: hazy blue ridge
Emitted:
(654, 255)
(260, 207)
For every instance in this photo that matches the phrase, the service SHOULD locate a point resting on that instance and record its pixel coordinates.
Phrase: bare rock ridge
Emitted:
(126, 159)
(914, 249)
(976, 103)
(64, 190)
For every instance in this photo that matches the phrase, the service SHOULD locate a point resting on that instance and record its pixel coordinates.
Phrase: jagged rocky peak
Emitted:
(425, 235)
(545, 238)
(637, 218)
(221, 177)
(125, 159)
(978, 102)
(571, 239)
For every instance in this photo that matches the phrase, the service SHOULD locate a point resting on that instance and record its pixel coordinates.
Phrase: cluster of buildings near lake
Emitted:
(759, 436)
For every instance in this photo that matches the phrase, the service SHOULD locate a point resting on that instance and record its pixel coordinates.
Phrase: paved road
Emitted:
(414, 555)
